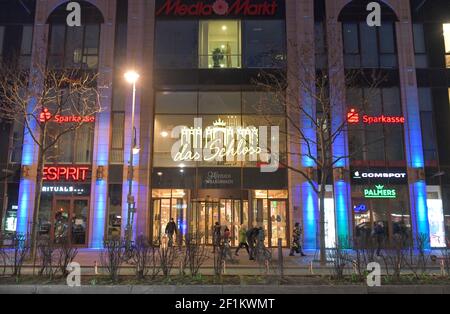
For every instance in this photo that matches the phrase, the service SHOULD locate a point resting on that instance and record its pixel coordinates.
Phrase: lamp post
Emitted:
(131, 77)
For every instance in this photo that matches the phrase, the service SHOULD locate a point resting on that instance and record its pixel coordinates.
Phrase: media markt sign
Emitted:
(380, 192)
(223, 8)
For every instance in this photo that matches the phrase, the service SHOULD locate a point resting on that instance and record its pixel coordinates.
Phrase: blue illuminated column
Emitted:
(99, 187)
(413, 129)
(100, 163)
(27, 188)
(342, 188)
(30, 150)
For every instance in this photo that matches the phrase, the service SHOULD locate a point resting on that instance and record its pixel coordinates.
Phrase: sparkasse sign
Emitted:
(220, 8)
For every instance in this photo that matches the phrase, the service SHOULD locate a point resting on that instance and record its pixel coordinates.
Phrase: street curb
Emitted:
(222, 290)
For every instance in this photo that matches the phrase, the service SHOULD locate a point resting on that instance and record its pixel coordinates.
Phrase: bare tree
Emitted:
(196, 252)
(316, 119)
(145, 259)
(112, 258)
(49, 103)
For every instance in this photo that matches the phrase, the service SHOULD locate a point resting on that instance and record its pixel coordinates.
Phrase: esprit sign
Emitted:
(224, 8)
(353, 117)
(78, 174)
(380, 192)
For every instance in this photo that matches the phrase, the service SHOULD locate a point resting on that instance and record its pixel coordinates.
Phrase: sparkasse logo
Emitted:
(218, 7)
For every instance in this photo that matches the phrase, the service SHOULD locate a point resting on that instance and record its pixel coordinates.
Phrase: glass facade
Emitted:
(220, 44)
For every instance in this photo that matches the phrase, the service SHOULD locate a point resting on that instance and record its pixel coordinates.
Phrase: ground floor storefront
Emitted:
(198, 198)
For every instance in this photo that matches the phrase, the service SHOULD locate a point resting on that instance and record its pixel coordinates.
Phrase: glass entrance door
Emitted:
(70, 221)
(278, 222)
(227, 212)
(391, 217)
(163, 210)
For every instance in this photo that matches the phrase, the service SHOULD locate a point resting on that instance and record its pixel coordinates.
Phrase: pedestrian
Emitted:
(242, 240)
(252, 236)
(226, 244)
(379, 236)
(217, 230)
(296, 246)
(171, 230)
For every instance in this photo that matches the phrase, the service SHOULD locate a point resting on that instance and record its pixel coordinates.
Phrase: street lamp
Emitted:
(131, 77)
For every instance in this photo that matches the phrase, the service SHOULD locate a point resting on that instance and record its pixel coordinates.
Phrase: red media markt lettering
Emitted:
(65, 173)
(219, 7)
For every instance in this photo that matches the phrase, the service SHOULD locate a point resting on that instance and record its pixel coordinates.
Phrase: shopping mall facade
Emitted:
(199, 60)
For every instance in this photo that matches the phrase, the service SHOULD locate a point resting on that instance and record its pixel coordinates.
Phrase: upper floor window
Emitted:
(220, 44)
(420, 46)
(74, 47)
(447, 44)
(369, 47)
(26, 46)
(2, 35)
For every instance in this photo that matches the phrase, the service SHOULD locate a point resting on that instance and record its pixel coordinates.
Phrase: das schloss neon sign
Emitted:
(353, 117)
(78, 174)
(218, 7)
(380, 192)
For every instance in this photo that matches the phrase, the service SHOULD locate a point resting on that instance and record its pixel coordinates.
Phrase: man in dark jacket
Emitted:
(252, 236)
(171, 230)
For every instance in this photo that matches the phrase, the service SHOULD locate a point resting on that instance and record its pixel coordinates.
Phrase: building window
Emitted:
(428, 129)
(264, 44)
(220, 44)
(420, 47)
(117, 137)
(176, 44)
(26, 46)
(377, 145)
(369, 47)
(113, 231)
(74, 47)
(320, 46)
(17, 142)
(2, 35)
(447, 44)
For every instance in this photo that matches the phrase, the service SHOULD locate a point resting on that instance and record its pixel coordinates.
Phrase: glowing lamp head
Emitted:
(131, 77)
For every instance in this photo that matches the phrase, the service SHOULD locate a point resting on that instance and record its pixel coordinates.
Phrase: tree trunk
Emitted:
(323, 252)
(37, 195)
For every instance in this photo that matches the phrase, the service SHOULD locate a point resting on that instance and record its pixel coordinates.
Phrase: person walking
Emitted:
(217, 230)
(226, 244)
(171, 230)
(252, 236)
(242, 240)
(296, 246)
(379, 236)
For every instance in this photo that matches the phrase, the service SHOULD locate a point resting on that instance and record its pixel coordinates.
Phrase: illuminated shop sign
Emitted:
(224, 8)
(360, 208)
(397, 176)
(222, 143)
(353, 117)
(78, 174)
(380, 192)
(62, 189)
(46, 116)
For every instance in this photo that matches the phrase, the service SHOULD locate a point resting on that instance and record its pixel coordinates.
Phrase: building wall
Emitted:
(300, 49)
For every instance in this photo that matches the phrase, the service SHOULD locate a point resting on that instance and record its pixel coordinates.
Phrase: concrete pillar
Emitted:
(141, 21)
(99, 186)
(342, 190)
(301, 79)
(413, 130)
